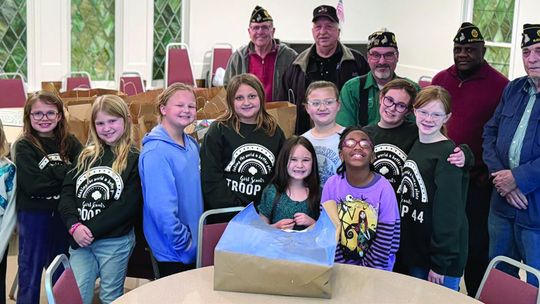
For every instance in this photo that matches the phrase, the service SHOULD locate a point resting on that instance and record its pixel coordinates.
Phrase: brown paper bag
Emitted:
(285, 114)
(143, 112)
(78, 120)
(214, 107)
(203, 95)
(87, 96)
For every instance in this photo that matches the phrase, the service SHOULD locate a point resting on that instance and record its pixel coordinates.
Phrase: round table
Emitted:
(351, 284)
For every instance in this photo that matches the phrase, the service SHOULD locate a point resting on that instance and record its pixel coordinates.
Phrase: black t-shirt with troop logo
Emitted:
(391, 149)
(105, 201)
(236, 168)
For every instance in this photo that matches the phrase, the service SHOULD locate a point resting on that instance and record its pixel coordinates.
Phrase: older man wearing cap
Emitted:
(360, 95)
(512, 154)
(476, 89)
(327, 59)
(264, 56)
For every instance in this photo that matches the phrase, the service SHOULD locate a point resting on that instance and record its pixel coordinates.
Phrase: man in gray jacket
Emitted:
(264, 56)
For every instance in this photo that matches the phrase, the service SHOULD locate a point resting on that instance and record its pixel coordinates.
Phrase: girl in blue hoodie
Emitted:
(169, 169)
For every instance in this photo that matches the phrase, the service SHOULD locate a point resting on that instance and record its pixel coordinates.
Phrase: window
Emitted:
(92, 38)
(167, 29)
(495, 19)
(13, 36)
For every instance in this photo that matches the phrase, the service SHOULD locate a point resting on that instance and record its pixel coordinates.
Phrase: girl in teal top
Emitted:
(291, 200)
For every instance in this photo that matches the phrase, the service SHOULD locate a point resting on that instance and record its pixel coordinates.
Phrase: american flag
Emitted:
(340, 11)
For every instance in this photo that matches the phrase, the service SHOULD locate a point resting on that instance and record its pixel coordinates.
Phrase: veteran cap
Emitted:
(325, 11)
(531, 34)
(468, 33)
(260, 15)
(382, 38)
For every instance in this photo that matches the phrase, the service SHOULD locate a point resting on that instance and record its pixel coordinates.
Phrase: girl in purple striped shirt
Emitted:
(366, 205)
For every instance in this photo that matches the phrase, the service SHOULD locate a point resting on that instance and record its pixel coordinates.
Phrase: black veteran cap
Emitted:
(531, 34)
(468, 33)
(325, 11)
(382, 38)
(260, 15)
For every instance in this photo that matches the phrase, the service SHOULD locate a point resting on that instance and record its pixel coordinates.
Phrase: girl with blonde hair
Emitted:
(100, 199)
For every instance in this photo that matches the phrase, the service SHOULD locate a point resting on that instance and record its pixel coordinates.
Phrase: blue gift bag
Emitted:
(252, 256)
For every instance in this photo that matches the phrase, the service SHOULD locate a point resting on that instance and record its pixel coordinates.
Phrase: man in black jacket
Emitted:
(327, 59)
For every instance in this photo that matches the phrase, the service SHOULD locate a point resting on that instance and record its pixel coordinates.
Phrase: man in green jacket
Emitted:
(360, 96)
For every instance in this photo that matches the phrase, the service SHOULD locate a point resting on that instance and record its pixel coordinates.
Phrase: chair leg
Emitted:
(14, 286)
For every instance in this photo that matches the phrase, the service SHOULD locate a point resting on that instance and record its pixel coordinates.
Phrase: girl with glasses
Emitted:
(433, 195)
(366, 205)
(42, 155)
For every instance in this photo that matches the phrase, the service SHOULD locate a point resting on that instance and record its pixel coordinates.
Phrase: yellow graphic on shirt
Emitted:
(358, 226)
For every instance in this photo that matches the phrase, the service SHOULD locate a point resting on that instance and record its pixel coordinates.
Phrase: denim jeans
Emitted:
(106, 259)
(516, 242)
(422, 273)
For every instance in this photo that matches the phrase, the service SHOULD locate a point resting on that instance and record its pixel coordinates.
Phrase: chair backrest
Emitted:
(131, 83)
(13, 91)
(65, 290)
(178, 65)
(499, 287)
(424, 81)
(78, 81)
(221, 52)
(209, 235)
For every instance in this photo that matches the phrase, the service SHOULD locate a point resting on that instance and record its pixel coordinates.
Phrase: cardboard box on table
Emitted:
(254, 257)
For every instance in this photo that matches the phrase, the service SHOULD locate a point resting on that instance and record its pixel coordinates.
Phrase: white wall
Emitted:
(526, 12)
(424, 31)
(424, 39)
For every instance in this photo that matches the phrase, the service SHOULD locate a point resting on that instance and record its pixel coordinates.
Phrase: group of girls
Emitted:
(87, 198)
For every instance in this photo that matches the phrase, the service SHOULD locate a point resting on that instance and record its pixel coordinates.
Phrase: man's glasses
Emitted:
(351, 143)
(386, 56)
(318, 102)
(425, 114)
(390, 102)
(262, 28)
(39, 115)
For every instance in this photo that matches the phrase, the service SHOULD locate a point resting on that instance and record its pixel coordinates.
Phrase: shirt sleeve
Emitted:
(161, 200)
(214, 185)
(267, 198)
(491, 132)
(348, 112)
(386, 242)
(448, 214)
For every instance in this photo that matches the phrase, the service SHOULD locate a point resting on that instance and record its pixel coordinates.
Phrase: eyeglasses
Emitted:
(39, 115)
(389, 102)
(262, 28)
(425, 114)
(316, 103)
(351, 143)
(386, 56)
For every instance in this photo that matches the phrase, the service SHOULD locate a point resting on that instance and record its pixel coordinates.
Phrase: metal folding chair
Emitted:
(209, 235)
